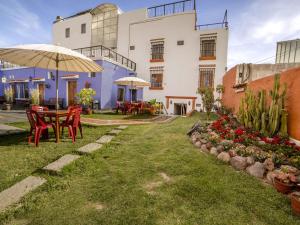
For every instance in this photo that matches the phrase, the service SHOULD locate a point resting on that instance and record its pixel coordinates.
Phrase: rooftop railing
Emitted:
(223, 24)
(7, 65)
(101, 51)
(172, 8)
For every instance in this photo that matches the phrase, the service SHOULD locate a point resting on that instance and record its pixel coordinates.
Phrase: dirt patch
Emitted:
(165, 177)
(152, 185)
(96, 205)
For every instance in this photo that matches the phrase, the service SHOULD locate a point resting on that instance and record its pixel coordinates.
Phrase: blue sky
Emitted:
(255, 25)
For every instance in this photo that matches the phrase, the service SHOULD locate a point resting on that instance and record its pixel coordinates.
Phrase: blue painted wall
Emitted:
(106, 90)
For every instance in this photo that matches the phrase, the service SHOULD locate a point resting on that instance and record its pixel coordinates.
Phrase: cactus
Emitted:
(253, 112)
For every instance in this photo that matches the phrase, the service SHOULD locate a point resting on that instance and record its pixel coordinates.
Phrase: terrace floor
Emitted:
(149, 174)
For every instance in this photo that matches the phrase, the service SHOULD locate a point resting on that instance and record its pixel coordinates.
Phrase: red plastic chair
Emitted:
(72, 123)
(39, 108)
(38, 125)
(78, 107)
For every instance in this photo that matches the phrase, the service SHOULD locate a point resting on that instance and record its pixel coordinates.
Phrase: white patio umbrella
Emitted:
(133, 82)
(49, 57)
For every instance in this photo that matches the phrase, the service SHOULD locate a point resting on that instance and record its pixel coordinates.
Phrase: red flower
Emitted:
(239, 131)
(238, 140)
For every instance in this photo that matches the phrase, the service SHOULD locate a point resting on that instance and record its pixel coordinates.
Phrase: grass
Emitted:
(202, 190)
(118, 116)
(19, 159)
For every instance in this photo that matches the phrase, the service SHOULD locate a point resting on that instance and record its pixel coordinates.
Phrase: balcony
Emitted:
(172, 8)
(223, 24)
(98, 51)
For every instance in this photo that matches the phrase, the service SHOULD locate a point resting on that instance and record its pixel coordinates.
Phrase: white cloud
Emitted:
(20, 24)
(255, 30)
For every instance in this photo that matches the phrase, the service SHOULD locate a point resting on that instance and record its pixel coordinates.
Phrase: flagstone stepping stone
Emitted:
(14, 194)
(114, 132)
(89, 148)
(121, 127)
(59, 164)
(105, 139)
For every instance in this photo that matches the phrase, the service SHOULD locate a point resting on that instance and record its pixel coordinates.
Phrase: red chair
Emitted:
(78, 107)
(72, 123)
(38, 125)
(39, 108)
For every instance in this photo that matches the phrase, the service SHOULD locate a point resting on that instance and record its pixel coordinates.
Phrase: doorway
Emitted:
(180, 109)
(72, 90)
(133, 95)
(41, 88)
(121, 94)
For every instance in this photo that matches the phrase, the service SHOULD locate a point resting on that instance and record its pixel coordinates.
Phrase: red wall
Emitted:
(291, 77)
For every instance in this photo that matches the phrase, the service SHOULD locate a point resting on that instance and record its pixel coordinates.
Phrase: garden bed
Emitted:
(275, 159)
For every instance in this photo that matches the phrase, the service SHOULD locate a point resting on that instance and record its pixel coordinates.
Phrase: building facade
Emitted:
(288, 51)
(168, 48)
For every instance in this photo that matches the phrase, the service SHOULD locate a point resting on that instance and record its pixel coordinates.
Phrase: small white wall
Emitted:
(76, 39)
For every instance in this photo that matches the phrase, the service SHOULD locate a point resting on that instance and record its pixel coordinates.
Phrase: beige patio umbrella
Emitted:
(50, 57)
(133, 82)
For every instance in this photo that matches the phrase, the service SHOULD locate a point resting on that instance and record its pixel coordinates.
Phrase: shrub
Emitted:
(9, 93)
(35, 96)
(86, 96)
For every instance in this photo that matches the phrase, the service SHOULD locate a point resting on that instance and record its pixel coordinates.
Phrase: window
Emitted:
(121, 94)
(67, 32)
(83, 28)
(208, 48)
(132, 47)
(157, 50)
(156, 78)
(91, 74)
(206, 78)
(20, 90)
(180, 42)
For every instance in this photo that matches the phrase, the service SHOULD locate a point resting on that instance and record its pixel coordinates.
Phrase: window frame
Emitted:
(156, 71)
(204, 73)
(68, 32)
(83, 28)
(208, 48)
(157, 50)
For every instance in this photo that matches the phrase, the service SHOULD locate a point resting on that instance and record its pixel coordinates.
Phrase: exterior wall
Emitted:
(1, 84)
(181, 63)
(291, 77)
(106, 91)
(76, 39)
(288, 51)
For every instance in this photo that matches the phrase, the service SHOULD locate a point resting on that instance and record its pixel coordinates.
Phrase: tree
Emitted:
(208, 99)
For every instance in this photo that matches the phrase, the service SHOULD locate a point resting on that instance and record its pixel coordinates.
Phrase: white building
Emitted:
(168, 47)
(288, 51)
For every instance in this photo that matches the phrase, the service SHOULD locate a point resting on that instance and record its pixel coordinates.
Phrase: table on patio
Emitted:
(55, 114)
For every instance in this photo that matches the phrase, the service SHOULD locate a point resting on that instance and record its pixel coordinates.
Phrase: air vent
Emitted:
(132, 47)
(180, 42)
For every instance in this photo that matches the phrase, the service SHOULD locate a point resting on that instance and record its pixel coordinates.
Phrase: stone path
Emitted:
(89, 148)
(6, 130)
(105, 139)
(14, 194)
(114, 132)
(122, 127)
(59, 164)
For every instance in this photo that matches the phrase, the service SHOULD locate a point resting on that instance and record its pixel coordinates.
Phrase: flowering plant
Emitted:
(86, 96)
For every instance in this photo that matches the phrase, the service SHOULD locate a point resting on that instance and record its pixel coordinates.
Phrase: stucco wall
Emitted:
(106, 90)
(291, 77)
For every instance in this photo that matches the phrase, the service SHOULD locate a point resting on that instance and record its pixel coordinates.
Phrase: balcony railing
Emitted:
(101, 51)
(6, 65)
(172, 8)
(223, 24)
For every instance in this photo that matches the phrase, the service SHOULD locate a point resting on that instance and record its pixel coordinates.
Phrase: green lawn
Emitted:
(121, 184)
(118, 116)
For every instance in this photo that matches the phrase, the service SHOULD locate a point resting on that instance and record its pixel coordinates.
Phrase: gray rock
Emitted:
(220, 148)
(122, 127)
(204, 148)
(198, 144)
(105, 139)
(203, 141)
(209, 145)
(232, 153)
(214, 151)
(114, 132)
(194, 139)
(250, 160)
(269, 165)
(238, 162)
(256, 170)
(224, 156)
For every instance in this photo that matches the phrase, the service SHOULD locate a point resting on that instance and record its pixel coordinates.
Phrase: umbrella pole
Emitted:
(57, 106)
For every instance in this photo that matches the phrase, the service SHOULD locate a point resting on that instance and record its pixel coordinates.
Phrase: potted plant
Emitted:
(34, 96)
(284, 182)
(86, 98)
(295, 203)
(8, 93)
